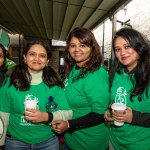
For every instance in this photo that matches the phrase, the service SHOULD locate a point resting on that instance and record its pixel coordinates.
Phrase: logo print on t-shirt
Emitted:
(121, 95)
(31, 97)
(66, 82)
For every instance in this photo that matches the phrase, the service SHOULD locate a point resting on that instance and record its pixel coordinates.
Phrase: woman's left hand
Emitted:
(108, 117)
(123, 116)
(59, 126)
(35, 116)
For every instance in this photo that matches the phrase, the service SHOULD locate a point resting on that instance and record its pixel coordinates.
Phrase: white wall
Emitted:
(138, 11)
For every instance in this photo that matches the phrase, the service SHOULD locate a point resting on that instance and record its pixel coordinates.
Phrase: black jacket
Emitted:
(141, 119)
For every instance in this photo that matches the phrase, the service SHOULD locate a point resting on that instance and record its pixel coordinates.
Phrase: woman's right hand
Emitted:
(125, 116)
(36, 116)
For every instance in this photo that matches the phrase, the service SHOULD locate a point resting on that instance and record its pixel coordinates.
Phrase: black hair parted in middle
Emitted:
(21, 78)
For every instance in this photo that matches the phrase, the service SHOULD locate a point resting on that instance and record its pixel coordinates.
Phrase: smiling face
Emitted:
(36, 58)
(79, 52)
(126, 55)
(1, 57)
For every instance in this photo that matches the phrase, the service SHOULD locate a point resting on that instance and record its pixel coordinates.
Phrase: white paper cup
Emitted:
(30, 104)
(118, 106)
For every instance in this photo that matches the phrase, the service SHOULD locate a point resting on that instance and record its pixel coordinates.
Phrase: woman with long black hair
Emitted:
(130, 85)
(32, 80)
(3, 66)
(87, 92)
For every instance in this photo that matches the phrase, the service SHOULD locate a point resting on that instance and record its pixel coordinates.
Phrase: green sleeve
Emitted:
(5, 103)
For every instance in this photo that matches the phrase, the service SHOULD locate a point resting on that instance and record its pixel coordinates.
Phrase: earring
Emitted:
(47, 63)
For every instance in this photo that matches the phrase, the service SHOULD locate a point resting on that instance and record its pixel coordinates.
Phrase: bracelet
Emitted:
(50, 117)
(68, 124)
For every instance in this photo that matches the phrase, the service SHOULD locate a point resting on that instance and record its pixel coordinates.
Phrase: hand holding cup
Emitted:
(120, 108)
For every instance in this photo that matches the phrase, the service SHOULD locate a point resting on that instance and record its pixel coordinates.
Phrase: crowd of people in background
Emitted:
(84, 95)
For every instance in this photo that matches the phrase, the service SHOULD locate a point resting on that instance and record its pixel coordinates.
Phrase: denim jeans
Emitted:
(65, 147)
(51, 144)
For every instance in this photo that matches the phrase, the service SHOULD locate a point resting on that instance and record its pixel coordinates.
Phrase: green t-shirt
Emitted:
(12, 101)
(88, 94)
(129, 137)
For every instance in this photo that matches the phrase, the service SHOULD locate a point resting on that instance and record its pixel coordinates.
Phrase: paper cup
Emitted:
(31, 104)
(118, 106)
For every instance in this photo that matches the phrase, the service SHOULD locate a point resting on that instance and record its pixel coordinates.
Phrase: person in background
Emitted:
(6, 65)
(3, 70)
(4, 74)
(33, 79)
(87, 92)
(3, 66)
(130, 84)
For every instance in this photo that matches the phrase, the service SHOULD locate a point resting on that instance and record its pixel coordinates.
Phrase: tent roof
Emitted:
(54, 19)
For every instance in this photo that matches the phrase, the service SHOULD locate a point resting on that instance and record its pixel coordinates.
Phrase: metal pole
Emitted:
(103, 42)
(113, 33)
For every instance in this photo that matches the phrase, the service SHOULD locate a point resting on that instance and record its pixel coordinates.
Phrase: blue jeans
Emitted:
(65, 147)
(51, 144)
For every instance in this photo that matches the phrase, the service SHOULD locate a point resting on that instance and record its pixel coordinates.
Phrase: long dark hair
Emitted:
(21, 77)
(85, 36)
(142, 71)
(3, 68)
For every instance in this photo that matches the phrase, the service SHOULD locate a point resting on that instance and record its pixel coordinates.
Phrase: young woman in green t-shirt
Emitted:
(130, 84)
(32, 80)
(87, 92)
